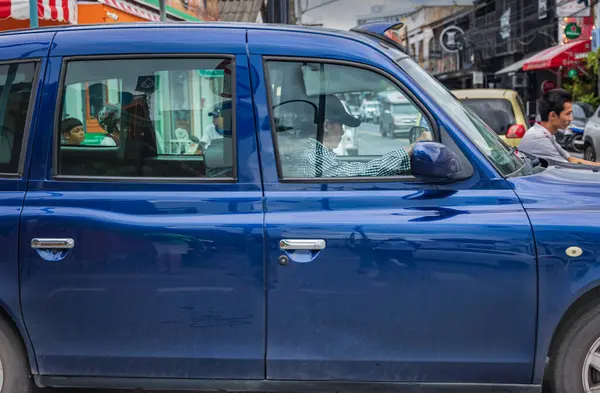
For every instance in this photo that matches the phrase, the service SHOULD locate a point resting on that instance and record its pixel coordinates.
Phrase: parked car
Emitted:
(399, 115)
(501, 109)
(591, 137)
(369, 111)
(266, 263)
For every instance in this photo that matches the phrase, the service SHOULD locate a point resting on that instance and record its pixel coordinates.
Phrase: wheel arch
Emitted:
(586, 300)
(18, 327)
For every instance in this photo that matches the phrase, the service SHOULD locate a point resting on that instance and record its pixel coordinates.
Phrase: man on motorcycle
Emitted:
(556, 112)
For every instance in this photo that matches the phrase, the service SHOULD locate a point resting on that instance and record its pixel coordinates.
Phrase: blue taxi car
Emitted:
(172, 216)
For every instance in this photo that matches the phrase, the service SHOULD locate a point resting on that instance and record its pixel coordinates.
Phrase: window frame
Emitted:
(124, 179)
(29, 121)
(360, 179)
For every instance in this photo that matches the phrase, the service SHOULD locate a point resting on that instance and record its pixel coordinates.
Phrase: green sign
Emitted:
(212, 73)
(572, 73)
(93, 139)
(572, 31)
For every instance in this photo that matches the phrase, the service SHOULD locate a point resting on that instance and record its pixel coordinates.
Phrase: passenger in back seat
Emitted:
(71, 132)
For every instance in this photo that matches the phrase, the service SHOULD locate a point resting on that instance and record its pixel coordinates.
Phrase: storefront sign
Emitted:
(571, 8)
(112, 15)
(548, 85)
(542, 9)
(505, 24)
(451, 39)
(572, 31)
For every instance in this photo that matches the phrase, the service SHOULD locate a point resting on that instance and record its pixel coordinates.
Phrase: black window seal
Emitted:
(123, 179)
(358, 179)
(33, 98)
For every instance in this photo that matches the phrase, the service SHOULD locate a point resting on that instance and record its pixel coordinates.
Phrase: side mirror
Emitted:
(414, 132)
(434, 161)
(515, 131)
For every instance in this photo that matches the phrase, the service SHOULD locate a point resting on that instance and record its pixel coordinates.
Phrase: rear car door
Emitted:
(22, 65)
(377, 275)
(141, 243)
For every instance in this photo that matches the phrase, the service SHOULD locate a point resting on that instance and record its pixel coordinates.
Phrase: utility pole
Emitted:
(163, 11)
(33, 14)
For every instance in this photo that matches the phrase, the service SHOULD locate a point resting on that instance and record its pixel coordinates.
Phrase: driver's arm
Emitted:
(574, 160)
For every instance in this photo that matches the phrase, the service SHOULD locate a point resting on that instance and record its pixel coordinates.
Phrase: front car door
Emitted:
(141, 247)
(375, 275)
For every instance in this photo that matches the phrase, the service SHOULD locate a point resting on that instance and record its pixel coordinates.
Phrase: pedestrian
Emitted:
(556, 112)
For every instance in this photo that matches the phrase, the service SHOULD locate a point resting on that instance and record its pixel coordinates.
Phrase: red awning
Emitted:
(561, 55)
(55, 10)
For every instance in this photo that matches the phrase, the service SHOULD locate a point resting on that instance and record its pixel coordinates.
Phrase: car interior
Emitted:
(137, 154)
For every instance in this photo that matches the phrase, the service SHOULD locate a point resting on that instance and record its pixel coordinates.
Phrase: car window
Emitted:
(497, 113)
(578, 112)
(16, 86)
(317, 137)
(484, 138)
(158, 118)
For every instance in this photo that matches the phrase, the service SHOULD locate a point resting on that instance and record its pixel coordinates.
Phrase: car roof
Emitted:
(140, 26)
(484, 93)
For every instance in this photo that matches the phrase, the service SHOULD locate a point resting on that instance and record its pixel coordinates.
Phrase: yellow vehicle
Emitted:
(501, 109)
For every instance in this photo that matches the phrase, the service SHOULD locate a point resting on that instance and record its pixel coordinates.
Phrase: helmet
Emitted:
(109, 117)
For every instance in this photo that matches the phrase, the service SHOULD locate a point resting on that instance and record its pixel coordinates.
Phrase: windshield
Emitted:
(496, 113)
(490, 144)
(404, 109)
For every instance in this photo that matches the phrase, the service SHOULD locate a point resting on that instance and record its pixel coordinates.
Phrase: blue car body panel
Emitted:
(416, 283)
(111, 307)
(464, 282)
(564, 211)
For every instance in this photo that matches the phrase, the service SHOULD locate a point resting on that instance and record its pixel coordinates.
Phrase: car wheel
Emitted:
(15, 376)
(589, 153)
(575, 365)
(577, 143)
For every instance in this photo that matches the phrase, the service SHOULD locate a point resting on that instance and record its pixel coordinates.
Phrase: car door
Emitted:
(22, 66)
(142, 251)
(376, 276)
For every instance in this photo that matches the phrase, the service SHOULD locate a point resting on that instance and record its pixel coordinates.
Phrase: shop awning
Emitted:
(514, 67)
(55, 10)
(131, 9)
(561, 55)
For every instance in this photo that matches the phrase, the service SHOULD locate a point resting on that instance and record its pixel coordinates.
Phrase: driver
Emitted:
(319, 160)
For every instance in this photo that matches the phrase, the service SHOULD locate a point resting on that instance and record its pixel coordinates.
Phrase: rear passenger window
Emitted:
(16, 86)
(155, 118)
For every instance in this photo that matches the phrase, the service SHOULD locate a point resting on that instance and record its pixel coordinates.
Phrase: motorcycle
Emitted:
(571, 139)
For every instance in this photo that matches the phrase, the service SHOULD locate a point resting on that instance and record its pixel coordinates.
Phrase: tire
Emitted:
(589, 153)
(576, 139)
(16, 375)
(568, 363)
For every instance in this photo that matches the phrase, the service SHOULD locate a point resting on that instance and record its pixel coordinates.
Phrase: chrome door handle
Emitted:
(52, 243)
(302, 244)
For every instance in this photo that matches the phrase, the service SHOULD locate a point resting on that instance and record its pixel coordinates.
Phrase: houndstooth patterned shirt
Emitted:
(317, 158)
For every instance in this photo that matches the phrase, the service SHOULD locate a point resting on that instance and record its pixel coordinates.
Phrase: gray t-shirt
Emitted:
(539, 142)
